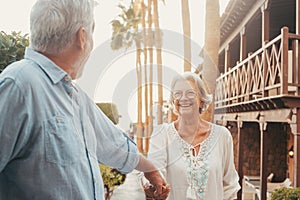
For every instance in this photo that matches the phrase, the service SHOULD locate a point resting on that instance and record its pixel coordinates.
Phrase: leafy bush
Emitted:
(110, 110)
(111, 177)
(12, 48)
(286, 194)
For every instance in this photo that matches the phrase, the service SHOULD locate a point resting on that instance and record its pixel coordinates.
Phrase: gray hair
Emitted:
(205, 97)
(54, 23)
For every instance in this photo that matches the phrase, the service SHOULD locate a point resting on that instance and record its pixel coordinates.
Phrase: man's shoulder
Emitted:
(22, 72)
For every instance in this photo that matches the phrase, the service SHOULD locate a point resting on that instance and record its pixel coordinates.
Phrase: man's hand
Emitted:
(150, 193)
(158, 188)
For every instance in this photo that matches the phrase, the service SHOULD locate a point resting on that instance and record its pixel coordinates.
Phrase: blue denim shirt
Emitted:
(52, 136)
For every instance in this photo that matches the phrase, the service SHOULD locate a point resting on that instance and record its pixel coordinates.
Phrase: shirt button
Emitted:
(58, 120)
(67, 78)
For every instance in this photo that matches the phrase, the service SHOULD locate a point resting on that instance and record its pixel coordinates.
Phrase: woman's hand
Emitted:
(150, 192)
(158, 188)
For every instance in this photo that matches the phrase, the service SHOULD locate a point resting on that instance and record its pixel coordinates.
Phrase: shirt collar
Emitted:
(54, 72)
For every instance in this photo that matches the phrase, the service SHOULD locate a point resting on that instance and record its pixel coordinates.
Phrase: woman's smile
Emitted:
(185, 105)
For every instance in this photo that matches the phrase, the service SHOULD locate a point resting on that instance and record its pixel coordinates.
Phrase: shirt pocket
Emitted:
(61, 143)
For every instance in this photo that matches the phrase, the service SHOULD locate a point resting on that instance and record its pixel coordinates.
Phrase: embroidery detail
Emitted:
(197, 166)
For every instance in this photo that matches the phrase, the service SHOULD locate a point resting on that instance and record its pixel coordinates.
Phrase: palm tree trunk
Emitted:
(139, 126)
(186, 25)
(150, 85)
(158, 44)
(211, 47)
(146, 108)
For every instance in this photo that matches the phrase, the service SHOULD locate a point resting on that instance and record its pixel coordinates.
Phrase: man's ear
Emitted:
(81, 38)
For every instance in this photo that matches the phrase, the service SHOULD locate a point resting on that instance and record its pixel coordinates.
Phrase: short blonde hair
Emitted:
(205, 97)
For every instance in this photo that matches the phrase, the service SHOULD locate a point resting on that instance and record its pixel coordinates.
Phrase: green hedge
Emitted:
(286, 194)
(110, 110)
(12, 48)
(111, 177)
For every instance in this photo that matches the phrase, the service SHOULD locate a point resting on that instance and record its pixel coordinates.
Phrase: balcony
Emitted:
(267, 79)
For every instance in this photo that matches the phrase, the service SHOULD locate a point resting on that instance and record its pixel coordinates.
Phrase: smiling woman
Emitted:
(194, 155)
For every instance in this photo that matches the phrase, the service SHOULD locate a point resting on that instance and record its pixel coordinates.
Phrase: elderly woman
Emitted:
(194, 155)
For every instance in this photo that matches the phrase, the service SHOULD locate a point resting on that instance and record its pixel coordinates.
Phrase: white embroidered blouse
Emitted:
(210, 175)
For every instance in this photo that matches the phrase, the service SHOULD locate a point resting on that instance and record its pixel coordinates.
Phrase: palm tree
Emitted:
(139, 9)
(186, 25)
(158, 45)
(150, 85)
(145, 53)
(125, 32)
(210, 50)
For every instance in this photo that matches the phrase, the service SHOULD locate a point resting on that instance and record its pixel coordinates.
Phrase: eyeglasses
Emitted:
(190, 94)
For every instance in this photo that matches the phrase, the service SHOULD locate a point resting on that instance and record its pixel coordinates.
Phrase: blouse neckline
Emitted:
(188, 145)
(197, 165)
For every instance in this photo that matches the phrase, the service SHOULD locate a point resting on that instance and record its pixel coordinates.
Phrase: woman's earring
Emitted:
(200, 110)
(201, 107)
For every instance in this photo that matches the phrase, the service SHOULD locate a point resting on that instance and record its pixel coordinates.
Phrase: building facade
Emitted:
(257, 94)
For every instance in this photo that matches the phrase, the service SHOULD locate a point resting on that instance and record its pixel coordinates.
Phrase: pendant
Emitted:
(190, 194)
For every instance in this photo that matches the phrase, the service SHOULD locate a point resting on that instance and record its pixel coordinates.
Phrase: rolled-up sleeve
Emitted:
(113, 147)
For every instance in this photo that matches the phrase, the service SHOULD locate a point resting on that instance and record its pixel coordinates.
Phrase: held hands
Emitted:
(151, 193)
(156, 188)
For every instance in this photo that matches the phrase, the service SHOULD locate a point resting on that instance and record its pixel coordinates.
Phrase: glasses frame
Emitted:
(192, 92)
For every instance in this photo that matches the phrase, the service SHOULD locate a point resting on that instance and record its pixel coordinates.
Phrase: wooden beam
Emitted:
(265, 39)
(297, 44)
(227, 59)
(291, 101)
(284, 59)
(295, 127)
(277, 115)
(297, 17)
(263, 158)
(297, 160)
(243, 44)
(240, 155)
(265, 23)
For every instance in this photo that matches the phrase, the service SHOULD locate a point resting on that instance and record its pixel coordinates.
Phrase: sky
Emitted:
(110, 76)
(14, 16)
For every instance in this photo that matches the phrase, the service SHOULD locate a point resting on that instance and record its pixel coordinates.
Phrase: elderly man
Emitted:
(52, 136)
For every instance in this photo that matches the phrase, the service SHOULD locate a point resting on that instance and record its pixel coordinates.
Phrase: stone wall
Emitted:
(277, 152)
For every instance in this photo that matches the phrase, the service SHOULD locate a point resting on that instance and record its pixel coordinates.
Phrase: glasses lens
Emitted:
(191, 94)
(177, 95)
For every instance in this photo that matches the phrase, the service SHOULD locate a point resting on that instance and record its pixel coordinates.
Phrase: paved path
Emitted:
(130, 190)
